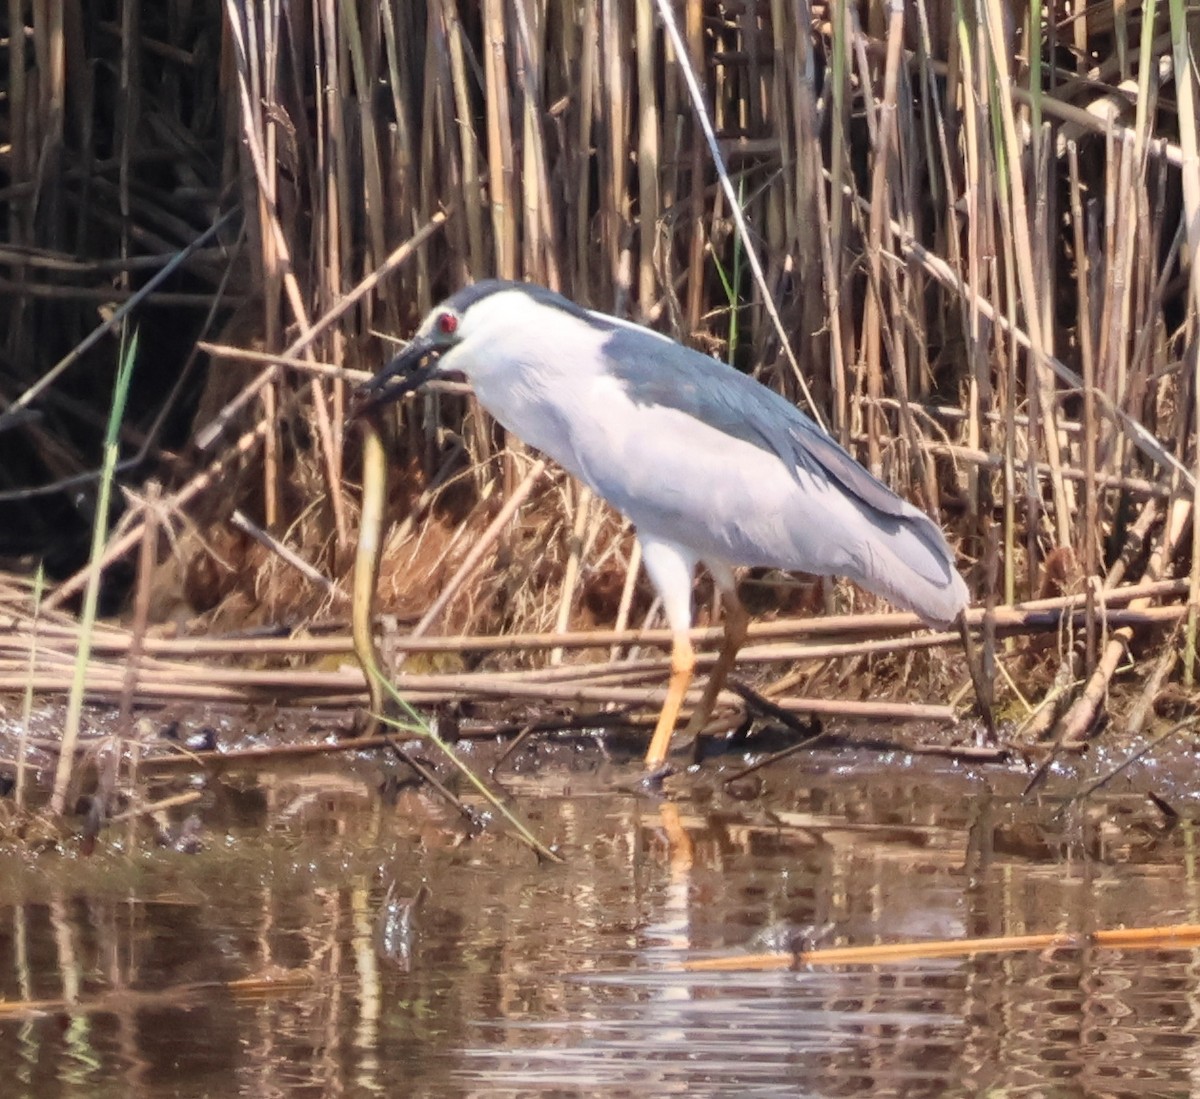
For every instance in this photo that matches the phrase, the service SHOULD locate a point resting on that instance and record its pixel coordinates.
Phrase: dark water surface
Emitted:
(265, 965)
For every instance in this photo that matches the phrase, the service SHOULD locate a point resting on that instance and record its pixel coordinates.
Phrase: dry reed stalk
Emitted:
(1089, 534)
(147, 559)
(476, 259)
(125, 1001)
(159, 674)
(162, 681)
(402, 160)
(16, 632)
(979, 458)
(809, 181)
(1019, 268)
(303, 366)
(501, 170)
(747, 240)
(113, 320)
(22, 767)
(690, 153)
(431, 123)
(241, 757)
(540, 233)
(104, 295)
(370, 170)
(1189, 141)
(201, 261)
(279, 265)
(1082, 714)
(1107, 378)
(879, 221)
(1139, 435)
(19, 160)
(1143, 708)
(129, 103)
(978, 216)
(616, 224)
(585, 45)
(649, 168)
(1048, 713)
(239, 521)
(476, 554)
(176, 501)
(839, 162)
(174, 801)
(213, 431)
(246, 686)
(625, 603)
(1171, 937)
(575, 554)
(1039, 383)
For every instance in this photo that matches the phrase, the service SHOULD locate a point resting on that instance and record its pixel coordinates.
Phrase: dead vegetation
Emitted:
(974, 223)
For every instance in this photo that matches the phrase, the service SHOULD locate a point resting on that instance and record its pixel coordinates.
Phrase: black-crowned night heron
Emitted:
(709, 465)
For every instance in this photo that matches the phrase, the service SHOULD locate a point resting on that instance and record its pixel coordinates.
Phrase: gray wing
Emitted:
(655, 370)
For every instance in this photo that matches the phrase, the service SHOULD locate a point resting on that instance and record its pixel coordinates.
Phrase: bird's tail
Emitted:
(912, 567)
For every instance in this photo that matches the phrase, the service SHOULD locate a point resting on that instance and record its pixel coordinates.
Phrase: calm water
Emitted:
(260, 965)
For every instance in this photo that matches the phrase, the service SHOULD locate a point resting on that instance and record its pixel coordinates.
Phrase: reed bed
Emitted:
(958, 234)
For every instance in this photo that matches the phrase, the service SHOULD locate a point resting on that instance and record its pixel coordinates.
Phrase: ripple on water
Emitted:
(251, 968)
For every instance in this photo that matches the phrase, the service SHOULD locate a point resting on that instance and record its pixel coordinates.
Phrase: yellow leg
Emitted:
(683, 663)
(737, 621)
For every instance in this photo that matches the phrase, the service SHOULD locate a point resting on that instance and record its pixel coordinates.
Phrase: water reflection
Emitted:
(261, 965)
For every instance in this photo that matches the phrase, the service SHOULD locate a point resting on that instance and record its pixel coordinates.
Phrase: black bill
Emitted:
(408, 371)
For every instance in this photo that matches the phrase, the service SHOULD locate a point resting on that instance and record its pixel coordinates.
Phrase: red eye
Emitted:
(447, 324)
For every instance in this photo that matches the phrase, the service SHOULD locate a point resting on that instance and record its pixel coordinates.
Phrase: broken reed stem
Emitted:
(240, 686)
(582, 503)
(113, 321)
(122, 545)
(1143, 709)
(239, 521)
(1009, 623)
(913, 251)
(477, 551)
(165, 681)
(147, 559)
(175, 801)
(1170, 937)
(211, 432)
(1080, 718)
(1038, 614)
